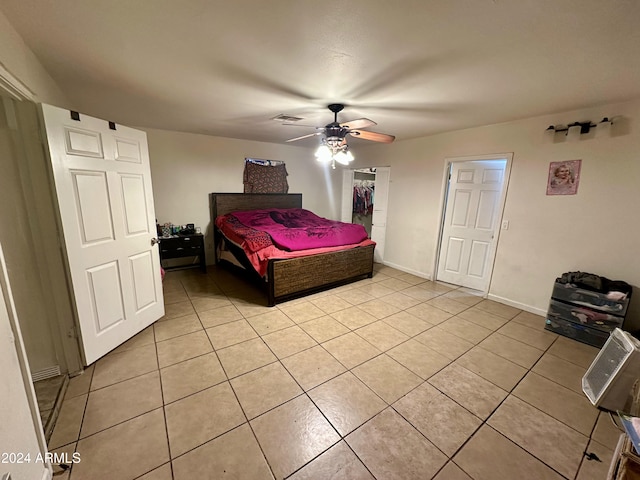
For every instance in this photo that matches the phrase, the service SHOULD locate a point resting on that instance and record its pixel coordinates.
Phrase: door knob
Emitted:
(154, 241)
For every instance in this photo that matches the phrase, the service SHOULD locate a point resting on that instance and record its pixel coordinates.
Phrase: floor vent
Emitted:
(46, 373)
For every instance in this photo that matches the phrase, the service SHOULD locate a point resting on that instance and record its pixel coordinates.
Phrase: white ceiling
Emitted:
(416, 67)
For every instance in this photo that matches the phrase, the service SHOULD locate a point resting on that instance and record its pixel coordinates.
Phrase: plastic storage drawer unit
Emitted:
(584, 315)
(591, 336)
(587, 298)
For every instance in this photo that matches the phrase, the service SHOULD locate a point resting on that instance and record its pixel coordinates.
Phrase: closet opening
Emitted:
(365, 193)
(364, 182)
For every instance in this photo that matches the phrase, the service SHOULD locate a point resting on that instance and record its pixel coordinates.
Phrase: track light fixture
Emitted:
(584, 126)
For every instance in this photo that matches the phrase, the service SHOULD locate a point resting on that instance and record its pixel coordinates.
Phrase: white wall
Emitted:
(595, 231)
(186, 168)
(23, 246)
(20, 61)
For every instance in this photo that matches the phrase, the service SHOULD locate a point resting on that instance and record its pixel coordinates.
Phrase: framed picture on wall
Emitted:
(564, 177)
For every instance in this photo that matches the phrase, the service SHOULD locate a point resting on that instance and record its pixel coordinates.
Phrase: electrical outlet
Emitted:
(505, 224)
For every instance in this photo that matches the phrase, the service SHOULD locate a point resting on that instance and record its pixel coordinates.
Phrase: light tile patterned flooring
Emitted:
(392, 377)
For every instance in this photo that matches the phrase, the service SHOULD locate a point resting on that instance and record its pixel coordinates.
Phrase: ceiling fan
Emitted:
(336, 132)
(334, 146)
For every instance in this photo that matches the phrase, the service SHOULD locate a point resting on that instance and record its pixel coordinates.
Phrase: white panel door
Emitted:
(103, 186)
(469, 232)
(379, 218)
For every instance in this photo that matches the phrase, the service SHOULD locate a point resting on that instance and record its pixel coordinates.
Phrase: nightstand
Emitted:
(183, 246)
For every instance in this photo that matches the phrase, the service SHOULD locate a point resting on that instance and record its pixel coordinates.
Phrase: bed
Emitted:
(288, 278)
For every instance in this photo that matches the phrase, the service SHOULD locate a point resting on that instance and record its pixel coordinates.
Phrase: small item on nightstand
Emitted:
(166, 230)
(188, 229)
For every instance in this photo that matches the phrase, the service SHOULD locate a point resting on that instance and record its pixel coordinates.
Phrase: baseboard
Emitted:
(407, 270)
(489, 296)
(46, 373)
(521, 306)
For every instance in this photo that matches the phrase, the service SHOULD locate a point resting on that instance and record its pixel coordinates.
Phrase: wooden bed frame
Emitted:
(294, 277)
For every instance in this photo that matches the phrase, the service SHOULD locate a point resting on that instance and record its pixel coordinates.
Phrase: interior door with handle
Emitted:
(469, 232)
(103, 186)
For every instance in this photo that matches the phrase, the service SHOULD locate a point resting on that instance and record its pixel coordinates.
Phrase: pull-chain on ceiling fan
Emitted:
(334, 146)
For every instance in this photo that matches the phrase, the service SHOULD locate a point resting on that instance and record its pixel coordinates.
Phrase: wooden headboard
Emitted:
(223, 203)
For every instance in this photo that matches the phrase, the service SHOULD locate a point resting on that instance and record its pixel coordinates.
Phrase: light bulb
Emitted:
(343, 157)
(604, 128)
(323, 154)
(573, 132)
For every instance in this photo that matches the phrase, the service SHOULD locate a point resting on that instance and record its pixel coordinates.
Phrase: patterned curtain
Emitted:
(265, 176)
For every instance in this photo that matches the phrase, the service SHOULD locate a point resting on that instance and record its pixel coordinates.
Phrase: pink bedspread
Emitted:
(299, 229)
(259, 248)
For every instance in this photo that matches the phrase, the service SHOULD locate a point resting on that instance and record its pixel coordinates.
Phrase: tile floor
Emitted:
(392, 377)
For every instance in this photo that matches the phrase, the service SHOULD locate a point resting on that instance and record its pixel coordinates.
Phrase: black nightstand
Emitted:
(183, 246)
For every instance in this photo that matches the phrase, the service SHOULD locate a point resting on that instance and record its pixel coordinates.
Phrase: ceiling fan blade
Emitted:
(304, 136)
(374, 136)
(358, 123)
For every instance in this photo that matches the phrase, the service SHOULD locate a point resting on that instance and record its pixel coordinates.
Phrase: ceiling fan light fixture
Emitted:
(334, 142)
(323, 153)
(333, 152)
(344, 157)
(334, 146)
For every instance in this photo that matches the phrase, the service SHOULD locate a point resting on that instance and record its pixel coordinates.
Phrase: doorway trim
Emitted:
(14, 87)
(62, 324)
(346, 208)
(508, 156)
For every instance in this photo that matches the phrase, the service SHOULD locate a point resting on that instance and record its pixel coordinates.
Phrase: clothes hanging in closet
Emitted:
(363, 193)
